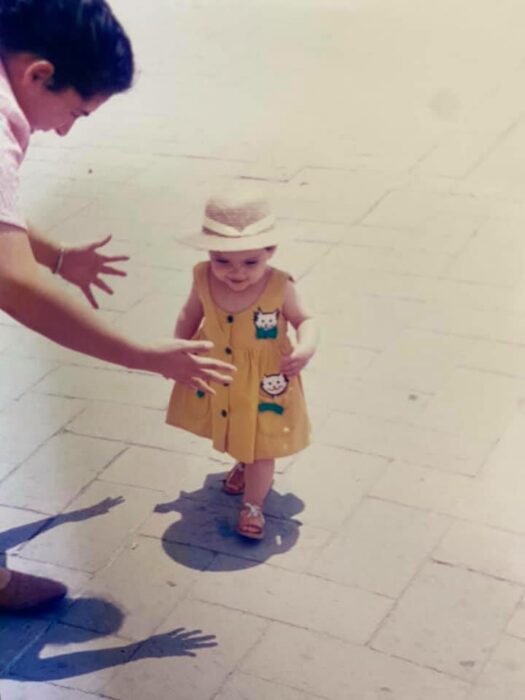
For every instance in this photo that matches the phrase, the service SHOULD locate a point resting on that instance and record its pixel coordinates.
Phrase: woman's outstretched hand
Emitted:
(83, 266)
(181, 360)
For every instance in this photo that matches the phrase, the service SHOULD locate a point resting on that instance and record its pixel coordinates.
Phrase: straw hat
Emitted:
(234, 220)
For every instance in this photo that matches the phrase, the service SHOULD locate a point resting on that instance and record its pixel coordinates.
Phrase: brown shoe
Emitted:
(25, 591)
(251, 522)
(234, 481)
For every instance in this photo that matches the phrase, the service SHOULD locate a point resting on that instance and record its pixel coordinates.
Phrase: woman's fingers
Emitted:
(197, 346)
(102, 285)
(114, 258)
(89, 296)
(212, 375)
(102, 242)
(210, 368)
(200, 385)
(109, 270)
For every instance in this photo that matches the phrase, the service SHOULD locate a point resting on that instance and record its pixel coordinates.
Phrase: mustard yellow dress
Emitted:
(262, 413)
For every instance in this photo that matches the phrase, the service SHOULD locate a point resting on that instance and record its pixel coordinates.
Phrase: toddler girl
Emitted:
(243, 305)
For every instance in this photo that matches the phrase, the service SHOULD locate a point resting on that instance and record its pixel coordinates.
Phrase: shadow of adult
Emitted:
(32, 666)
(9, 539)
(208, 519)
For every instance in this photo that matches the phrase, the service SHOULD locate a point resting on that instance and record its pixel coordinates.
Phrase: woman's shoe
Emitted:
(234, 481)
(24, 592)
(251, 522)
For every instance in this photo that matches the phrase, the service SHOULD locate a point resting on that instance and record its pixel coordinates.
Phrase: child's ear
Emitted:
(40, 71)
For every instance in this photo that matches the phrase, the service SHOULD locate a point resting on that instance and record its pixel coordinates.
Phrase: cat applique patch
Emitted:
(273, 385)
(266, 323)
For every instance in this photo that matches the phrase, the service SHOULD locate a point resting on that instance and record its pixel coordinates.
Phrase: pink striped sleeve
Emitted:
(11, 155)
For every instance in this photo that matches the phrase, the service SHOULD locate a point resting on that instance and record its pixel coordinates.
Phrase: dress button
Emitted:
(228, 351)
(224, 413)
(229, 318)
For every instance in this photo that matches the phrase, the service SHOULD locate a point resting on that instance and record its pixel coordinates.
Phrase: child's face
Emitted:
(241, 269)
(46, 110)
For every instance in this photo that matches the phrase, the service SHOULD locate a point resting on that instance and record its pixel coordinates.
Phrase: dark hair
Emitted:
(86, 44)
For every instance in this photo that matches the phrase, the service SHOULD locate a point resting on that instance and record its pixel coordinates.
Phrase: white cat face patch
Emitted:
(274, 384)
(266, 319)
(266, 323)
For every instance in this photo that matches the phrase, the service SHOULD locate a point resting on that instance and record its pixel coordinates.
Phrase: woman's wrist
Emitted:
(46, 251)
(139, 357)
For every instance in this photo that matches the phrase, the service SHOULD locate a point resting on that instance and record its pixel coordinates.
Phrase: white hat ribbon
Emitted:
(231, 232)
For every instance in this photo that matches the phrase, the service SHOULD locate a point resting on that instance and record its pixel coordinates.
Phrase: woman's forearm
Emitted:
(40, 305)
(35, 300)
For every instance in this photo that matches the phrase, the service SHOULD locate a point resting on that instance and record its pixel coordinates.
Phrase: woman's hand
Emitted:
(83, 266)
(180, 360)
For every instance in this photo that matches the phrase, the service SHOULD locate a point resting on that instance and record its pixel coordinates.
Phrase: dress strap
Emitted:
(273, 294)
(200, 279)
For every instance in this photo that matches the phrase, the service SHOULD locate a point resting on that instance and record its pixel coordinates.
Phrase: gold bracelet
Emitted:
(60, 260)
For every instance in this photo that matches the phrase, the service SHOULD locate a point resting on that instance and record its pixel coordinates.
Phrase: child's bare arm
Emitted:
(305, 325)
(190, 316)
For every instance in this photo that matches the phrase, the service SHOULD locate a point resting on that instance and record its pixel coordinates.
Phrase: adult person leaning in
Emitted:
(61, 60)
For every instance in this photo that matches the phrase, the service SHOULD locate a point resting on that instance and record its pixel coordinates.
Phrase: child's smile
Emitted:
(241, 269)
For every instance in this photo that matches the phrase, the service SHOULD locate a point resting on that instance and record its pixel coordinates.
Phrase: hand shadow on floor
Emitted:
(208, 521)
(23, 533)
(31, 666)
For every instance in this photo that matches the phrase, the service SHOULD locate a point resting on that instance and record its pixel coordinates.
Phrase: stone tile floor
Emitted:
(390, 135)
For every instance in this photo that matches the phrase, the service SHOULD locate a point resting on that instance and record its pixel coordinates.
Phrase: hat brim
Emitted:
(230, 244)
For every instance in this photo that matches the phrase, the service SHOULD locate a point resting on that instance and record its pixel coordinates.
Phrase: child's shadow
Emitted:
(208, 519)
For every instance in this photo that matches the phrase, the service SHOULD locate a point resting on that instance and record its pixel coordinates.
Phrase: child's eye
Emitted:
(221, 261)
(251, 262)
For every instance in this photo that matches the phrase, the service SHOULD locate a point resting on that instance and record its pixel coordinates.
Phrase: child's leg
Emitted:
(258, 479)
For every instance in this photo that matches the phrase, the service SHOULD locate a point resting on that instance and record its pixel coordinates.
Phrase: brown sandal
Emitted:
(251, 522)
(234, 481)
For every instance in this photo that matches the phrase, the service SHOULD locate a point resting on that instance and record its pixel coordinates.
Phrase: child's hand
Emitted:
(296, 361)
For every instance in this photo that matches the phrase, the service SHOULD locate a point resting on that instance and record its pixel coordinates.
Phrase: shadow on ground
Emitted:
(32, 666)
(208, 519)
(24, 637)
(9, 539)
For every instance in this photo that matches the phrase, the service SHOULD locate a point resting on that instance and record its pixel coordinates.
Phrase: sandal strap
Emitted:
(253, 511)
(235, 477)
(236, 469)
